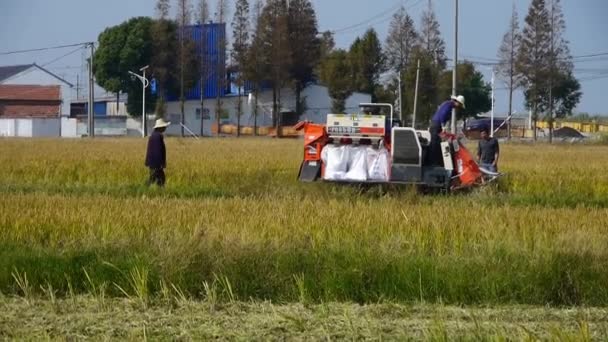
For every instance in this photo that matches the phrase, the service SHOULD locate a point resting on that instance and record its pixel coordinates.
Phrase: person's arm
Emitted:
(148, 154)
(163, 152)
(496, 154)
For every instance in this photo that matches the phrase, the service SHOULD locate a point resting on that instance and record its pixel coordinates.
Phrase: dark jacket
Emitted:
(156, 156)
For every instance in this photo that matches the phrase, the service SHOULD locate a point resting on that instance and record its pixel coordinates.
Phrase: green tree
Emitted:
(400, 43)
(304, 46)
(430, 36)
(204, 63)
(240, 45)
(335, 74)
(367, 63)
(257, 67)
(273, 32)
(326, 44)
(507, 53)
(428, 91)
(471, 85)
(220, 66)
(123, 48)
(184, 17)
(164, 55)
(564, 88)
(532, 58)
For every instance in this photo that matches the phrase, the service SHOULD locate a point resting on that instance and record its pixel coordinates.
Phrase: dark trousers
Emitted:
(157, 176)
(435, 157)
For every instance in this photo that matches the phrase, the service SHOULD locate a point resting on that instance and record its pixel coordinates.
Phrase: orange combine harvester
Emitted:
(370, 147)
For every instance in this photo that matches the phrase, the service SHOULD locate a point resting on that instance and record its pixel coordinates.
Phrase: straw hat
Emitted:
(160, 123)
(459, 99)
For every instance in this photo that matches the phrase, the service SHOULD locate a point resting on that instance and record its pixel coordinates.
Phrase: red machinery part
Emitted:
(466, 166)
(315, 137)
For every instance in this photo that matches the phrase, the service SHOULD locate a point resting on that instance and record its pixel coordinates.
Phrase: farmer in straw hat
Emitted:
(441, 117)
(156, 156)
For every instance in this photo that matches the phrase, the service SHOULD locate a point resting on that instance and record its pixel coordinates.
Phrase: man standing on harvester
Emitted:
(441, 117)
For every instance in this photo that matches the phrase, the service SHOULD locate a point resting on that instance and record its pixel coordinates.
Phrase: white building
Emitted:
(318, 105)
(33, 74)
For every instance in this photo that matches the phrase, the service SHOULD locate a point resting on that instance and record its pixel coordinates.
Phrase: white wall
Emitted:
(318, 105)
(7, 128)
(69, 128)
(23, 127)
(46, 127)
(36, 76)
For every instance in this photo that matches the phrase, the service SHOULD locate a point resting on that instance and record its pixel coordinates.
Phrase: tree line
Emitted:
(276, 44)
(537, 59)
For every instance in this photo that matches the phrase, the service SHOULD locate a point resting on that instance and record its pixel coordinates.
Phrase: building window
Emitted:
(205, 114)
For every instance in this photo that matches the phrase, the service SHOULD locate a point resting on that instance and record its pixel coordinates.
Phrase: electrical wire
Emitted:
(43, 49)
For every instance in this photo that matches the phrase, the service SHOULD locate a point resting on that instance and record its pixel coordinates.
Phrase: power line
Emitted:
(63, 56)
(375, 20)
(367, 21)
(592, 55)
(43, 49)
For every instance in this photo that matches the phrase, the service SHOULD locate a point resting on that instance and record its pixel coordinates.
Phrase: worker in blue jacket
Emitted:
(441, 117)
(156, 156)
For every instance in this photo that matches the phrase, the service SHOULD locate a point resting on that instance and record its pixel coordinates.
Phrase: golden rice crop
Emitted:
(233, 214)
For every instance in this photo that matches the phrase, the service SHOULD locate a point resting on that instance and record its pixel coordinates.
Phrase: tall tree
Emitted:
(531, 57)
(564, 89)
(240, 34)
(400, 43)
(428, 91)
(401, 40)
(203, 17)
(304, 46)
(163, 33)
(273, 31)
(430, 36)
(335, 74)
(184, 17)
(256, 67)
(367, 63)
(507, 53)
(221, 13)
(123, 48)
(326, 44)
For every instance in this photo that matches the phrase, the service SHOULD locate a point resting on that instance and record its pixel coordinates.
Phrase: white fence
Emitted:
(62, 127)
(31, 127)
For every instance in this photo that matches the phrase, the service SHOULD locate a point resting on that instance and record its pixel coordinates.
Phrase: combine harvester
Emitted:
(371, 148)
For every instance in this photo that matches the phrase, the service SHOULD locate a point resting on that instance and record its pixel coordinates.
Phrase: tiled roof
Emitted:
(9, 71)
(30, 92)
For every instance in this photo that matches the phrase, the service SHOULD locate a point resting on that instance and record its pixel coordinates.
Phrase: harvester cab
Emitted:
(372, 147)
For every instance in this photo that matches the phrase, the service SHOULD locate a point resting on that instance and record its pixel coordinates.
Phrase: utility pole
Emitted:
(492, 113)
(400, 100)
(416, 95)
(455, 63)
(551, 69)
(91, 112)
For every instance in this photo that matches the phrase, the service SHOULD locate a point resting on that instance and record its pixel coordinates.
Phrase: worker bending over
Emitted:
(441, 117)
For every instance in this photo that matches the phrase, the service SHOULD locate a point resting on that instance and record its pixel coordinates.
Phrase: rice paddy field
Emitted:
(236, 248)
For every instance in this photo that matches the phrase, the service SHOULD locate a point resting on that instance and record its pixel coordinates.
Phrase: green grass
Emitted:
(234, 224)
